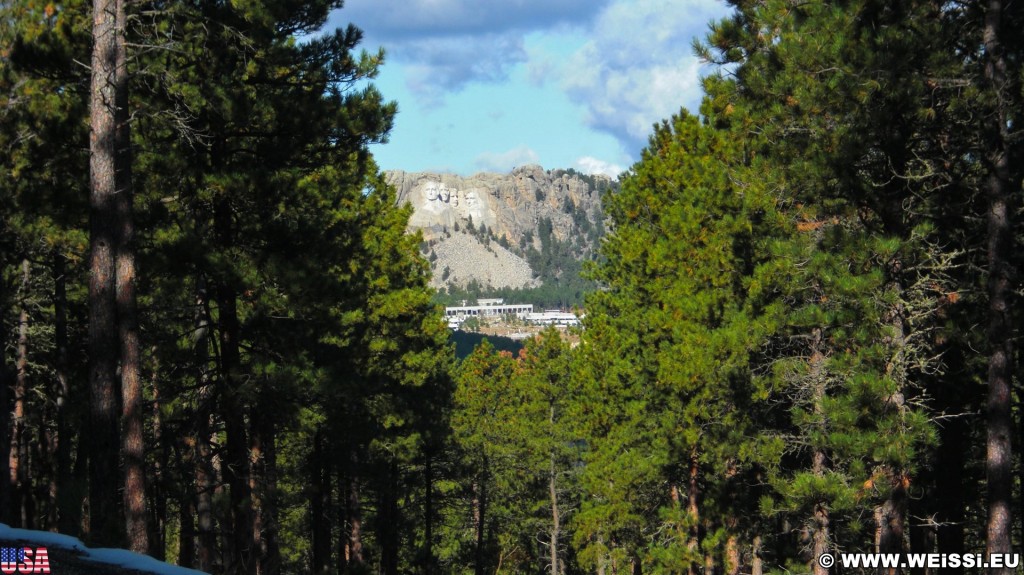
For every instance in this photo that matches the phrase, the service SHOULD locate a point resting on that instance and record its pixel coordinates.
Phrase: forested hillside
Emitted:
(220, 346)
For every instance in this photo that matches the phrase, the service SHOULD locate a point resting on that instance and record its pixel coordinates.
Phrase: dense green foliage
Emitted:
(785, 356)
(290, 340)
(782, 328)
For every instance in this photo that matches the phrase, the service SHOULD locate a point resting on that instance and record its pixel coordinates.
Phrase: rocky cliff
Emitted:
(525, 213)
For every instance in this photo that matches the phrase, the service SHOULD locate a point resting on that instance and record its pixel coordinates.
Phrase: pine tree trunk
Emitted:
(428, 513)
(693, 508)
(889, 526)
(320, 506)
(18, 460)
(732, 550)
(553, 493)
(67, 506)
(202, 456)
(80, 483)
(257, 481)
(187, 511)
(270, 550)
(206, 550)
(34, 465)
(952, 500)
(479, 522)
(890, 516)
(239, 545)
(820, 519)
(7, 378)
(756, 562)
(158, 491)
(236, 455)
(999, 187)
(48, 490)
(353, 507)
(6, 420)
(105, 527)
(388, 513)
(132, 439)
(343, 518)
(186, 543)
(819, 538)
(602, 561)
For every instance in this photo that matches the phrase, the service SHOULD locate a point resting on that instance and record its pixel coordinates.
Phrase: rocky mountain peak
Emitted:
(509, 205)
(522, 211)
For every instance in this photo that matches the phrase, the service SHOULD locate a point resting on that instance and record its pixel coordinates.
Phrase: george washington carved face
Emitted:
(431, 190)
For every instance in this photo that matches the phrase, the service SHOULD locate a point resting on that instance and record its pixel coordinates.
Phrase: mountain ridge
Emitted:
(518, 230)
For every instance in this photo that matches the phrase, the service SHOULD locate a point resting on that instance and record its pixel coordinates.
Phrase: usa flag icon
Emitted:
(12, 554)
(10, 557)
(20, 560)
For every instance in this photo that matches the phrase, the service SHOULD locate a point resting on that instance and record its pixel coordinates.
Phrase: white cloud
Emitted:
(639, 66)
(407, 19)
(441, 65)
(503, 162)
(591, 165)
(449, 43)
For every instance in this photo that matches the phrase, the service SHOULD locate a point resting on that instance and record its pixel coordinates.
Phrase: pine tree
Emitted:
(549, 447)
(481, 388)
(41, 129)
(862, 125)
(671, 340)
(258, 184)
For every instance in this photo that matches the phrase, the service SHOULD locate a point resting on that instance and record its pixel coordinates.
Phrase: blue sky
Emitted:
(487, 85)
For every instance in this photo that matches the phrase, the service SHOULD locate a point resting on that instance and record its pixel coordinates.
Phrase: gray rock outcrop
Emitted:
(509, 205)
(486, 226)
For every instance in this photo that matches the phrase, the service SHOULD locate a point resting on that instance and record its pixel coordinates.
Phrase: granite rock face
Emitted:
(455, 212)
(460, 257)
(508, 204)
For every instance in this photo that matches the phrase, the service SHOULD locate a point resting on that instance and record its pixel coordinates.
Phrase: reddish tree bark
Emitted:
(693, 507)
(353, 511)
(105, 529)
(132, 440)
(21, 492)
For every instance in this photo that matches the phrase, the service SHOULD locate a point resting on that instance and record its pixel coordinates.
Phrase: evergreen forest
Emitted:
(220, 347)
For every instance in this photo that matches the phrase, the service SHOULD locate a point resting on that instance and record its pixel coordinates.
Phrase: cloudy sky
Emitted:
(494, 84)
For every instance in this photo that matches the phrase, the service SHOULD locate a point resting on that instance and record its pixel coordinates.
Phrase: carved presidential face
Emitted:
(471, 200)
(431, 190)
(444, 194)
